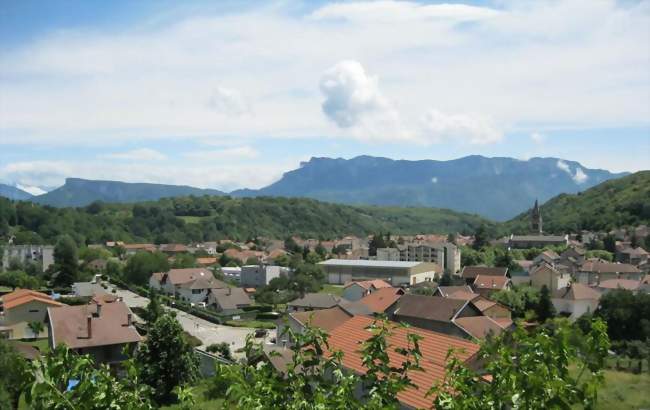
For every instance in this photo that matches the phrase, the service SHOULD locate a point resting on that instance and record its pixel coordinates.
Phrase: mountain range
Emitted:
(497, 188)
(11, 192)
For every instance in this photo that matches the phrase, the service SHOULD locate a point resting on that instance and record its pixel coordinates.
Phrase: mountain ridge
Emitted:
(12, 192)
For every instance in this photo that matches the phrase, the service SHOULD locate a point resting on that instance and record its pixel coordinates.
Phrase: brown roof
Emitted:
(429, 307)
(231, 298)
(367, 284)
(446, 291)
(471, 272)
(326, 319)
(478, 326)
(620, 283)
(576, 291)
(491, 282)
(348, 338)
(180, 276)
(22, 296)
(316, 300)
(381, 299)
(142, 246)
(483, 304)
(206, 261)
(173, 247)
(69, 325)
(608, 267)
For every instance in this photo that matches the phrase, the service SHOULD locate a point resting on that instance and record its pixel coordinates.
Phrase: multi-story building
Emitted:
(444, 254)
(260, 275)
(42, 254)
(342, 271)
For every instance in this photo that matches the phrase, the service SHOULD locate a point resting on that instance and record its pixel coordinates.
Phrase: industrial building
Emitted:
(341, 271)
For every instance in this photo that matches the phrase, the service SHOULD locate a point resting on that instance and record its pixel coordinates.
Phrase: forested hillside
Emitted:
(611, 204)
(216, 217)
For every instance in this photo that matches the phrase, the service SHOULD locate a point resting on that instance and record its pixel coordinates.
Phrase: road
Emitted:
(207, 332)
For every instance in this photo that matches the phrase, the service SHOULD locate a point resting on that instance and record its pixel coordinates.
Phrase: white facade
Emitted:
(576, 308)
(43, 254)
(192, 295)
(260, 275)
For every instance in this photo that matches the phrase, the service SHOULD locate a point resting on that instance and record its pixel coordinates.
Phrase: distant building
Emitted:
(537, 241)
(547, 275)
(536, 223)
(228, 300)
(354, 291)
(256, 276)
(21, 307)
(486, 285)
(314, 301)
(469, 273)
(575, 300)
(444, 254)
(593, 272)
(41, 254)
(341, 271)
(190, 285)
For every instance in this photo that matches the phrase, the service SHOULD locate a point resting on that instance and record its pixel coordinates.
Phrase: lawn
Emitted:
(333, 289)
(202, 403)
(257, 324)
(624, 391)
(41, 344)
(193, 219)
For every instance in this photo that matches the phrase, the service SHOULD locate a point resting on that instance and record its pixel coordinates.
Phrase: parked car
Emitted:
(261, 332)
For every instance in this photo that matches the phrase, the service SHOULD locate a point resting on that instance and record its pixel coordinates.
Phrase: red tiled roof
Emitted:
(434, 347)
(381, 299)
(490, 282)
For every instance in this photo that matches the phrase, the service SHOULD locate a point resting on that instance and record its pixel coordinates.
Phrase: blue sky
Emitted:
(233, 94)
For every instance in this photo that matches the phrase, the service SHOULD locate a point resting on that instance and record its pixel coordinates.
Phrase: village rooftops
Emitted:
(627, 284)
(471, 272)
(491, 282)
(325, 319)
(479, 327)
(231, 298)
(180, 276)
(381, 299)
(608, 267)
(349, 336)
(576, 291)
(316, 300)
(22, 296)
(429, 307)
(92, 325)
(369, 284)
(447, 291)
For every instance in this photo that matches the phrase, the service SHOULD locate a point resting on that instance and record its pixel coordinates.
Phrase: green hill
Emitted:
(187, 219)
(611, 204)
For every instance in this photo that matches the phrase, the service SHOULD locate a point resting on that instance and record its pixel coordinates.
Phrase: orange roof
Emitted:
(22, 296)
(434, 347)
(326, 319)
(490, 282)
(367, 284)
(381, 299)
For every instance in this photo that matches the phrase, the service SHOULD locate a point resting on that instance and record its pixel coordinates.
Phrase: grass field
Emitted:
(41, 344)
(193, 219)
(624, 391)
(333, 289)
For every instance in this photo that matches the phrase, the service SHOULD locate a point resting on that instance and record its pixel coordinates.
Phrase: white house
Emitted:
(575, 300)
(189, 285)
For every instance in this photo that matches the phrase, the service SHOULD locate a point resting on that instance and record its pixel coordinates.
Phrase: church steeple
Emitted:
(536, 219)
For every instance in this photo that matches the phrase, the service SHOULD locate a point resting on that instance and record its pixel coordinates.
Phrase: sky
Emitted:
(232, 94)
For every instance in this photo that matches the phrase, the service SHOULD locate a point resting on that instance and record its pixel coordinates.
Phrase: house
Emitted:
(97, 265)
(133, 248)
(469, 273)
(228, 300)
(608, 285)
(354, 291)
(573, 256)
(548, 256)
(189, 285)
(435, 346)
(260, 275)
(434, 313)
(102, 329)
(341, 271)
(537, 241)
(314, 301)
(494, 310)
(382, 299)
(455, 292)
(26, 254)
(208, 261)
(547, 275)
(634, 256)
(325, 319)
(485, 285)
(591, 272)
(21, 307)
(575, 300)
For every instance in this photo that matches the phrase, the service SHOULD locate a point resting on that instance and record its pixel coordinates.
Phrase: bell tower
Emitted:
(536, 219)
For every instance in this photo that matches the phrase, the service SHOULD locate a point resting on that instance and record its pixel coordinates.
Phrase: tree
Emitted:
(480, 237)
(140, 266)
(14, 376)
(609, 242)
(529, 371)
(290, 245)
(544, 309)
(377, 241)
(627, 314)
(36, 327)
(520, 299)
(222, 349)
(154, 309)
(321, 251)
(65, 380)
(184, 260)
(166, 360)
(65, 261)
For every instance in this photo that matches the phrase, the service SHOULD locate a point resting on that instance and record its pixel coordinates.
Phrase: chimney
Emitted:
(99, 310)
(129, 319)
(89, 320)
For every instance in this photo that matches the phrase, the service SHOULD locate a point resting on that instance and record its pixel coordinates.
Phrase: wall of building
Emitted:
(577, 308)
(354, 292)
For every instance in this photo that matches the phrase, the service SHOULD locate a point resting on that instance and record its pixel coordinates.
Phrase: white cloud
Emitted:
(434, 180)
(553, 64)
(34, 190)
(475, 129)
(537, 137)
(234, 153)
(579, 177)
(140, 154)
(350, 94)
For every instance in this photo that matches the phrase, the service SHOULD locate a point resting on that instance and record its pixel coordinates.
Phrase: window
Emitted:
(34, 310)
(196, 291)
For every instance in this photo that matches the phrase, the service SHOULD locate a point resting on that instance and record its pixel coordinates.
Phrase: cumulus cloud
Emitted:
(579, 177)
(141, 154)
(350, 94)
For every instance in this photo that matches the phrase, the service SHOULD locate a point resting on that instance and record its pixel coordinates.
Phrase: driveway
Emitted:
(207, 332)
